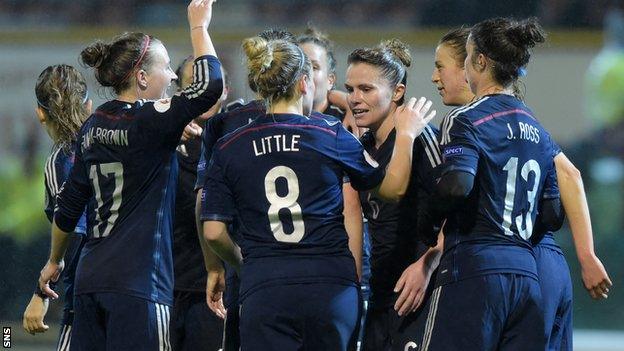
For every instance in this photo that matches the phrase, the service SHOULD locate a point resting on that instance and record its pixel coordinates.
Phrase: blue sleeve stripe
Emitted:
(216, 217)
(460, 169)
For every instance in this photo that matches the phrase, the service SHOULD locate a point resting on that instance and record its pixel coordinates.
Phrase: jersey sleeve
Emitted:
(212, 133)
(551, 187)
(363, 172)
(461, 152)
(556, 149)
(217, 199)
(73, 195)
(427, 157)
(170, 116)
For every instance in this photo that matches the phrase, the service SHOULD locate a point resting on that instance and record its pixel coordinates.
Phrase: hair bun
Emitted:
(94, 54)
(526, 34)
(259, 54)
(398, 49)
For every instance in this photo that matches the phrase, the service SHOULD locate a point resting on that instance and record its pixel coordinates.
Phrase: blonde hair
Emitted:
(275, 66)
(61, 92)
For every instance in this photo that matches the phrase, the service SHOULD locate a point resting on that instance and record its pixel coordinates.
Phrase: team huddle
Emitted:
(172, 214)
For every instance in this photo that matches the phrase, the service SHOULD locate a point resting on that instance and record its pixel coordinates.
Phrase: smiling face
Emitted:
(158, 75)
(370, 95)
(449, 77)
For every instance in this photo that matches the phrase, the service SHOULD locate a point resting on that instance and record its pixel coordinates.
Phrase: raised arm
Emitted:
(410, 120)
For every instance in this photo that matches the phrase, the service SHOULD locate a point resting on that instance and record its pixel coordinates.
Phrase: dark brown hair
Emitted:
(507, 43)
(456, 39)
(114, 62)
(61, 92)
(314, 36)
(392, 57)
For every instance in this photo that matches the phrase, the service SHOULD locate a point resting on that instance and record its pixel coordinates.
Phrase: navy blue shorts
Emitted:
(231, 335)
(556, 284)
(300, 317)
(385, 330)
(117, 322)
(193, 325)
(491, 312)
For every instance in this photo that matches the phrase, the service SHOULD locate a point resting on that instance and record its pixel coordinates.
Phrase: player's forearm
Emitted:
(433, 255)
(58, 245)
(353, 224)
(575, 205)
(210, 258)
(395, 183)
(201, 41)
(218, 239)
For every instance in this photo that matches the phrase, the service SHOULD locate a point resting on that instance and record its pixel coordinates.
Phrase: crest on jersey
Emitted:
(162, 105)
(370, 160)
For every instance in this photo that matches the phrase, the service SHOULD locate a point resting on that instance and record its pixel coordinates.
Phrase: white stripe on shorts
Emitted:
(433, 309)
(64, 339)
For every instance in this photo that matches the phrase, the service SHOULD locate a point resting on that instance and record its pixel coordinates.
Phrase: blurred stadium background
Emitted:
(575, 85)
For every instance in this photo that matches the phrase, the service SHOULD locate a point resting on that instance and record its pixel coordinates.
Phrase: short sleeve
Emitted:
(364, 173)
(551, 187)
(73, 195)
(217, 199)
(556, 149)
(461, 152)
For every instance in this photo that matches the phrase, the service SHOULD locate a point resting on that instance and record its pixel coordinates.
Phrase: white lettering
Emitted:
(276, 143)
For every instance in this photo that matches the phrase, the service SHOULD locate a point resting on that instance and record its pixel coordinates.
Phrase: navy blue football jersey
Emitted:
(126, 170)
(218, 126)
(57, 169)
(392, 226)
(497, 139)
(281, 177)
(549, 238)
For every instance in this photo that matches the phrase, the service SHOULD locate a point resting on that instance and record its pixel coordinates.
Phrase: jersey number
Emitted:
(512, 170)
(288, 202)
(111, 172)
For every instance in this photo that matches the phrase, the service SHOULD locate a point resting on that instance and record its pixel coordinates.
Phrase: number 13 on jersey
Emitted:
(512, 170)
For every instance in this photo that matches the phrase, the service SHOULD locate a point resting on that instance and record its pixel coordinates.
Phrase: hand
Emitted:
(200, 13)
(215, 285)
(211, 112)
(50, 272)
(349, 123)
(411, 118)
(412, 286)
(338, 98)
(33, 315)
(595, 278)
(191, 131)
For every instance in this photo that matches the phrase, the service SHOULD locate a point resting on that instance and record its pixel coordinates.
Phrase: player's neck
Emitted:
(381, 133)
(490, 88)
(322, 106)
(284, 106)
